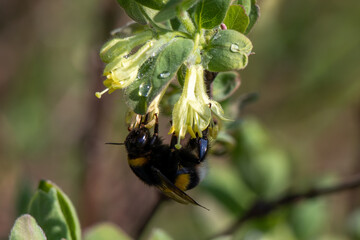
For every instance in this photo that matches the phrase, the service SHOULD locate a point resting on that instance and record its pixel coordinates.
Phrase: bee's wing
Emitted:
(170, 190)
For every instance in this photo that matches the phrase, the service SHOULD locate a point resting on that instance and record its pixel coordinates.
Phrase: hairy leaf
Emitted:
(54, 212)
(25, 227)
(156, 73)
(129, 29)
(210, 13)
(133, 10)
(236, 18)
(154, 4)
(106, 231)
(246, 4)
(46, 210)
(224, 85)
(253, 16)
(171, 9)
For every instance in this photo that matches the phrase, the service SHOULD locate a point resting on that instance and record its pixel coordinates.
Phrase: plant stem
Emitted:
(262, 208)
(187, 22)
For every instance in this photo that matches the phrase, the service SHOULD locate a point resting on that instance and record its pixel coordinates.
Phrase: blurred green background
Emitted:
(303, 131)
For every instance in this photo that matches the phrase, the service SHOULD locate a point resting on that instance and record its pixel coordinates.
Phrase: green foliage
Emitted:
(105, 231)
(307, 219)
(227, 50)
(264, 167)
(225, 84)
(246, 5)
(159, 234)
(25, 227)
(155, 4)
(299, 79)
(353, 225)
(253, 16)
(122, 46)
(133, 10)
(251, 10)
(186, 43)
(226, 186)
(54, 212)
(156, 73)
(236, 18)
(172, 8)
(210, 13)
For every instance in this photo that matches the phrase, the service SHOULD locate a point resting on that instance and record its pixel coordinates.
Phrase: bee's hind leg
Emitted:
(155, 137)
(200, 144)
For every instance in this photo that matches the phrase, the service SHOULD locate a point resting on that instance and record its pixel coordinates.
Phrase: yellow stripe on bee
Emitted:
(137, 162)
(182, 181)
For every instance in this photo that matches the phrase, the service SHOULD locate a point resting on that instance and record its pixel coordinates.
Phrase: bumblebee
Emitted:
(171, 170)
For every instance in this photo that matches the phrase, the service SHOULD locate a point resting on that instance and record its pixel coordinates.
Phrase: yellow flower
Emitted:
(192, 112)
(116, 47)
(123, 71)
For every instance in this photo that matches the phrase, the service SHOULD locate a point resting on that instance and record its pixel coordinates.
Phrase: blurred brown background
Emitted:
(306, 70)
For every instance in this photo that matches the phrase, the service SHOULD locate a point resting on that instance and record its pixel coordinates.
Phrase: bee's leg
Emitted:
(201, 145)
(156, 127)
(155, 137)
(173, 141)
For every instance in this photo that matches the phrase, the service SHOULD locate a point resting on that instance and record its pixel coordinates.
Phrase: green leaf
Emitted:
(129, 29)
(54, 212)
(155, 74)
(223, 183)
(224, 85)
(246, 4)
(308, 218)
(211, 13)
(176, 25)
(105, 231)
(154, 4)
(264, 167)
(253, 16)
(67, 208)
(46, 210)
(171, 9)
(353, 224)
(133, 10)
(236, 18)
(158, 234)
(228, 50)
(181, 74)
(25, 227)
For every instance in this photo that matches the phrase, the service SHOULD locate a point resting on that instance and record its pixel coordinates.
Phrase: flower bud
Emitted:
(228, 50)
(119, 47)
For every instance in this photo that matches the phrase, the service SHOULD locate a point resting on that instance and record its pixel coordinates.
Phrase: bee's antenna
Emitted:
(114, 143)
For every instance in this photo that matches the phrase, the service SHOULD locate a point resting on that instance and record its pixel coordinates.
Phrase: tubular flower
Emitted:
(122, 46)
(192, 112)
(124, 70)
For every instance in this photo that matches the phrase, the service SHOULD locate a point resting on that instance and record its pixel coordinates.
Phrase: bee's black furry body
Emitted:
(151, 160)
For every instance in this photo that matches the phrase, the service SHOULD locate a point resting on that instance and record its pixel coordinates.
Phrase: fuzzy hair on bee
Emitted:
(173, 171)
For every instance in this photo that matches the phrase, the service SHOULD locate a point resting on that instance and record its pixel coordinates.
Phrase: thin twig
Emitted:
(263, 208)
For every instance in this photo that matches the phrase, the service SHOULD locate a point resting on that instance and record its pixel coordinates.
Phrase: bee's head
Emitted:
(137, 140)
